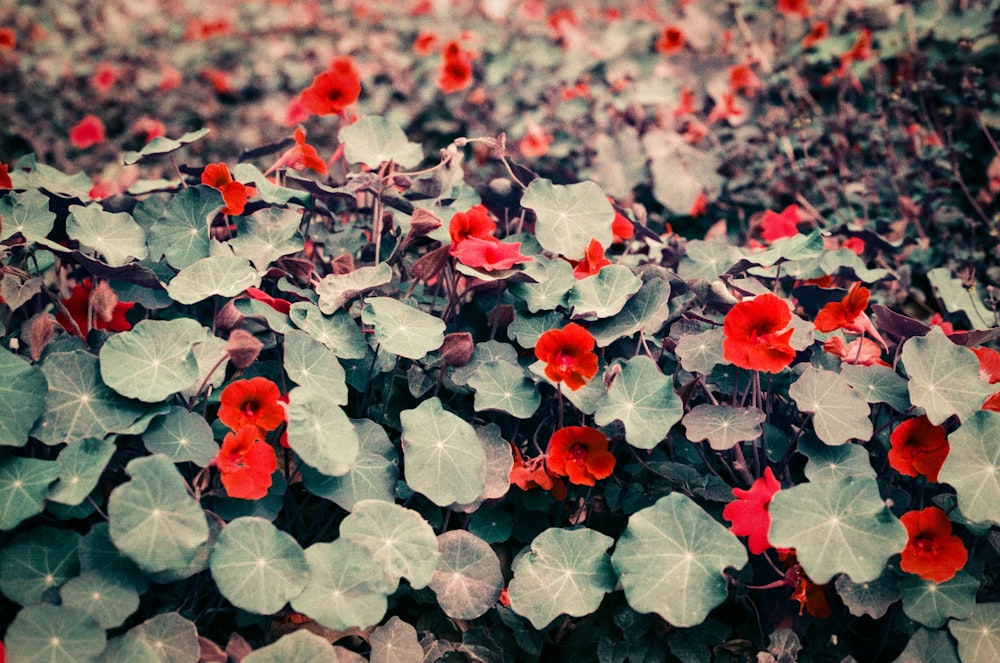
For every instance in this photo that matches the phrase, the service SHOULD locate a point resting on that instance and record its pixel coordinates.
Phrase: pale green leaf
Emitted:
(707, 259)
(116, 236)
(642, 398)
(42, 176)
(262, 313)
(153, 360)
(311, 365)
(932, 603)
(26, 213)
(396, 642)
(182, 436)
(944, 377)
(569, 216)
(162, 145)
(37, 561)
(672, 558)
(338, 331)
(24, 483)
(80, 468)
(53, 634)
(99, 554)
(320, 432)
(301, 646)
(335, 290)
(878, 384)
(979, 635)
(836, 527)
(604, 294)
(973, 466)
(267, 235)
(267, 190)
(645, 311)
(222, 275)
(468, 580)
(181, 232)
(674, 186)
(505, 387)
(396, 538)
(373, 140)
(828, 463)
(700, 353)
(552, 280)
(562, 572)
(722, 425)
(839, 412)
(373, 474)
(871, 598)
(484, 355)
(212, 358)
(957, 297)
(527, 327)
(172, 638)
(401, 329)
(108, 602)
(927, 645)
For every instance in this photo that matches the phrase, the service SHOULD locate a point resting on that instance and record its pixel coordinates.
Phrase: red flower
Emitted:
(810, 596)
(535, 143)
(568, 354)
(933, 552)
(621, 228)
(279, 305)
(843, 314)
(817, 34)
(489, 254)
(727, 108)
(753, 336)
(251, 402)
(333, 90)
(671, 40)
(989, 364)
(776, 226)
(8, 40)
(152, 127)
(796, 8)
(456, 68)
(170, 78)
(581, 454)
(748, 512)
(424, 42)
(992, 403)
(918, 447)
(855, 245)
(218, 79)
(78, 305)
(937, 321)
(104, 78)
(743, 79)
(217, 176)
(699, 206)
(534, 474)
(860, 351)
(475, 222)
(5, 182)
(245, 464)
(87, 132)
(592, 261)
(302, 155)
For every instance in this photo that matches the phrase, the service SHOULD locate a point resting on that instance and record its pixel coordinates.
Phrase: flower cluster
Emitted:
(234, 194)
(333, 90)
(473, 243)
(250, 408)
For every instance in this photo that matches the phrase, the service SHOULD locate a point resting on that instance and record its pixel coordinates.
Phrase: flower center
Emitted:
(924, 544)
(578, 453)
(250, 410)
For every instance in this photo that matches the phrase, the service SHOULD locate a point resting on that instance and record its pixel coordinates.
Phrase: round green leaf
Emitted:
(372, 476)
(839, 413)
(116, 236)
(267, 190)
(22, 398)
(262, 313)
(878, 384)
(396, 538)
(124, 649)
(396, 642)
(499, 462)
(182, 436)
(562, 572)
(932, 604)
(642, 398)
(99, 554)
(722, 425)
(468, 580)
(152, 361)
(257, 566)
(153, 518)
(222, 275)
(871, 598)
(24, 482)
(505, 387)
(926, 645)
(212, 358)
(484, 355)
(346, 587)
(79, 404)
(339, 332)
(26, 213)
(957, 296)
(828, 463)
(491, 525)
(700, 353)
(645, 311)
(527, 327)
(373, 140)
(401, 329)
(37, 561)
(80, 468)
(552, 280)
(671, 560)
(299, 646)
(444, 459)
(172, 638)
(335, 290)
(53, 634)
(973, 466)
(569, 216)
(979, 635)
(944, 377)
(836, 527)
(312, 365)
(320, 432)
(162, 145)
(706, 259)
(604, 294)
(108, 602)
(266, 235)
(181, 232)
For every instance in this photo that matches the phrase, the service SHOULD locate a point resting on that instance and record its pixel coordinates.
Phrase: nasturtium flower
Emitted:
(246, 463)
(334, 89)
(475, 222)
(775, 226)
(989, 364)
(8, 39)
(533, 473)
(843, 314)
(748, 512)
(795, 8)
(104, 78)
(87, 132)
(860, 351)
(671, 40)
(592, 262)
(234, 194)
(535, 143)
(810, 596)
(488, 254)
(78, 306)
(622, 228)
(742, 78)
(918, 447)
(817, 33)
(5, 182)
(568, 354)
(423, 43)
(456, 68)
(301, 155)
(251, 402)
(581, 454)
(932, 551)
(755, 334)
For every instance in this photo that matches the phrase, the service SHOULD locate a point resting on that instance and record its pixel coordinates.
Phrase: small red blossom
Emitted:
(795, 8)
(932, 551)
(699, 206)
(748, 512)
(534, 474)
(989, 364)
(755, 334)
(860, 351)
(685, 105)
(424, 42)
(845, 313)
(87, 132)
(621, 228)
(170, 78)
(937, 320)
(456, 68)
(201, 29)
(671, 40)
(817, 33)
(333, 90)
(918, 447)
(592, 262)
(78, 305)
(234, 194)
(581, 454)
(475, 222)
(489, 254)
(104, 78)
(279, 305)
(742, 78)
(810, 596)
(855, 245)
(8, 39)
(151, 127)
(246, 463)
(727, 108)
(992, 403)
(251, 402)
(775, 226)
(535, 143)
(568, 354)
(219, 79)
(301, 155)
(5, 182)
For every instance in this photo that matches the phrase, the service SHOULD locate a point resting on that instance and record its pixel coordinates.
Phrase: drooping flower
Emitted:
(334, 89)
(849, 314)
(776, 226)
(474, 222)
(755, 334)
(810, 596)
(456, 68)
(251, 402)
(87, 132)
(78, 304)
(918, 447)
(860, 351)
(932, 552)
(795, 8)
(534, 474)
(234, 194)
(568, 354)
(246, 463)
(748, 512)
(301, 155)
(671, 40)
(489, 254)
(592, 262)
(581, 454)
